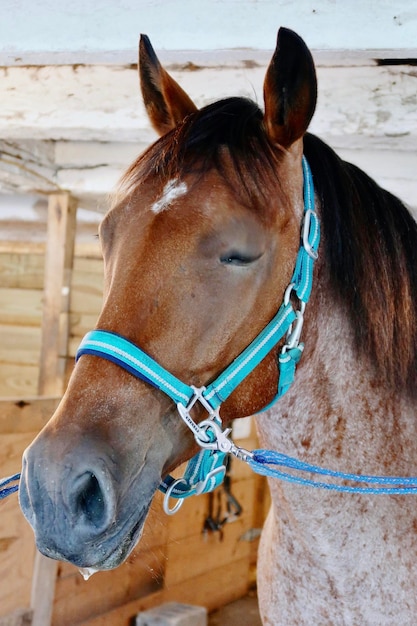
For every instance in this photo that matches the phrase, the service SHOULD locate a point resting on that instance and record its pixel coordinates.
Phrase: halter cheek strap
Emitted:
(206, 470)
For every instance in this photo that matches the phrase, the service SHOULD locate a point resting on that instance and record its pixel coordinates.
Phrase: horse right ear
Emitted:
(290, 90)
(166, 103)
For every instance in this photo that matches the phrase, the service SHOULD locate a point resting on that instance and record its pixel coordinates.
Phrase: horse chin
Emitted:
(105, 554)
(124, 548)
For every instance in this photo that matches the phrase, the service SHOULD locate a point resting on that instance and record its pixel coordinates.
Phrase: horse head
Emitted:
(198, 248)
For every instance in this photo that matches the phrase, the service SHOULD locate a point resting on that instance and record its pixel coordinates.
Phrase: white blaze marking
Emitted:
(172, 190)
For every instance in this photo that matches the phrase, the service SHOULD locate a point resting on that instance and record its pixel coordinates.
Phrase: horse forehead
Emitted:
(172, 190)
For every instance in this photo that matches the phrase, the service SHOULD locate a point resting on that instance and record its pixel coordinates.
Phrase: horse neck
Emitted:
(340, 413)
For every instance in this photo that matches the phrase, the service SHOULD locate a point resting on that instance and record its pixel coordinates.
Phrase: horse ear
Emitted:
(290, 89)
(166, 103)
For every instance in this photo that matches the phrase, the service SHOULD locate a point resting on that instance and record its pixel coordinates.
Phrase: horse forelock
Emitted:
(370, 247)
(227, 136)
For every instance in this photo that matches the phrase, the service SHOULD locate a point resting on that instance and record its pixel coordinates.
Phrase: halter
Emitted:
(206, 470)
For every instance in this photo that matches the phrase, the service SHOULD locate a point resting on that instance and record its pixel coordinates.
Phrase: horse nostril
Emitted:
(90, 500)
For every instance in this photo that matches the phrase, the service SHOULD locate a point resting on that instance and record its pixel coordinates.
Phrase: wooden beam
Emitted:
(19, 416)
(58, 269)
(55, 329)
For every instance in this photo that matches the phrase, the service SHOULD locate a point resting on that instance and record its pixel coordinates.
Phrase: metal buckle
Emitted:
(294, 334)
(221, 441)
(294, 331)
(305, 233)
(184, 412)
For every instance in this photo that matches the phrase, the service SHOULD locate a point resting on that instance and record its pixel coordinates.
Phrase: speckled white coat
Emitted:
(329, 559)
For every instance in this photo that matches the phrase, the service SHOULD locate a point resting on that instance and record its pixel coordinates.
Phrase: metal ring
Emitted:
(287, 294)
(306, 233)
(180, 501)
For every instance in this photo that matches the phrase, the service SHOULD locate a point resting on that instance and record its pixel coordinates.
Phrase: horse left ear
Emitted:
(166, 103)
(290, 90)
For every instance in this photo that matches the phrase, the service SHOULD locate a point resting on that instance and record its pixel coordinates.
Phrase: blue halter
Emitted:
(206, 470)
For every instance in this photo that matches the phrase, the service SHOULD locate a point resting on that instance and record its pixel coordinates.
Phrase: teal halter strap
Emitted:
(205, 472)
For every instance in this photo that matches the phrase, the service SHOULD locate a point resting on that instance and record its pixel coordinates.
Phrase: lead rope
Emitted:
(7, 491)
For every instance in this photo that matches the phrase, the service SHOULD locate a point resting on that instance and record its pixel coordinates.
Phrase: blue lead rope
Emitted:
(7, 491)
(262, 460)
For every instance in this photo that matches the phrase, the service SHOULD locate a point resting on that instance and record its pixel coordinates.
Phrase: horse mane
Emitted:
(371, 253)
(370, 238)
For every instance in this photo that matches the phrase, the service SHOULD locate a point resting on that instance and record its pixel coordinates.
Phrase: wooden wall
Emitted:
(164, 567)
(21, 297)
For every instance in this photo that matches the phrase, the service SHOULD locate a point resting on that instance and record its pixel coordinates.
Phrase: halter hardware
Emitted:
(208, 433)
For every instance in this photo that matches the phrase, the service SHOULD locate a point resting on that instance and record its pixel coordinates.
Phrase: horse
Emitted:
(199, 248)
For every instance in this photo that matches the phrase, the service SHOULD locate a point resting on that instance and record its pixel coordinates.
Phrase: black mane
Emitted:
(370, 238)
(371, 250)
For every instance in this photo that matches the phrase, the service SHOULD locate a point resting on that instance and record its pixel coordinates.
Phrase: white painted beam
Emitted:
(102, 103)
(83, 31)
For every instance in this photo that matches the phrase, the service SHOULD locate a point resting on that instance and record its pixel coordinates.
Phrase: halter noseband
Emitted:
(206, 470)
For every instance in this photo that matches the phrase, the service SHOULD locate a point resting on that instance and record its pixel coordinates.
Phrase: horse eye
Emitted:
(237, 258)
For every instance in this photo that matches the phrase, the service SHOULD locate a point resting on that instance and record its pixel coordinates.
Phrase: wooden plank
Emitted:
(87, 298)
(16, 555)
(122, 616)
(18, 380)
(55, 329)
(80, 324)
(216, 587)
(213, 590)
(208, 28)
(90, 250)
(21, 271)
(17, 548)
(58, 269)
(43, 589)
(20, 306)
(86, 266)
(19, 344)
(141, 575)
(352, 101)
(212, 550)
(30, 414)
(12, 448)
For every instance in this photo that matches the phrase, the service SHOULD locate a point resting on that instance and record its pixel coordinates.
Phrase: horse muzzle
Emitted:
(76, 510)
